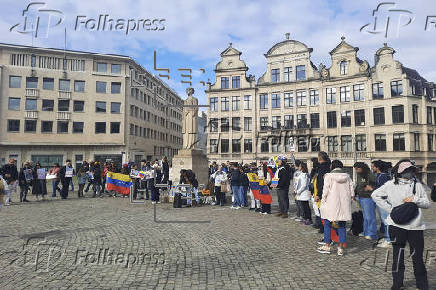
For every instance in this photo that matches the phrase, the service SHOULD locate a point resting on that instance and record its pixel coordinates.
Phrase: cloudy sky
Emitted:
(196, 31)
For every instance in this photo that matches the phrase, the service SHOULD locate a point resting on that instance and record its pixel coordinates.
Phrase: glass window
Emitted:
(377, 91)
(301, 121)
(289, 121)
(224, 145)
(344, 94)
(331, 96)
(236, 145)
(116, 68)
(430, 142)
(224, 104)
(100, 107)
(344, 67)
(275, 75)
(399, 142)
(115, 108)
(64, 85)
(288, 74)
(248, 123)
(332, 143)
(78, 127)
(415, 114)
(315, 145)
(48, 105)
(248, 145)
(63, 105)
(224, 82)
(31, 105)
(396, 88)
(380, 142)
(379, 116)
(301, 98)
(429, 115)
(14, 104)
(115, 88)
(48, 83)
(331, 120)
(213, 145)
(300, 72)
(100, 87)
(30, 126)
(398, 114)
(100, 128)
(314, 97)
(14, 81)
(62, 127)
(275, 145)
(214, 104)
(236, 82)
(236, 103)
(358, 92)
(213, 124)
(359, 117)
(13, 125)
(31, 82)
(360, 143)
(346, 144)
(276, 122)
(346, 119)
(247, 102)
(416, 141)
(46, 126)
(264, 123)
(263, 101)
(101, 67)
(115, 127)
(79, 86)
(236, 124)
(289, 99)
(314, 120)
(79, 106)
(275, 101)
(225, 125)
(264, 145)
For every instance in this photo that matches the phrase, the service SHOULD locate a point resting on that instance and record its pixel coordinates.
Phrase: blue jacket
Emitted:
(380, 179)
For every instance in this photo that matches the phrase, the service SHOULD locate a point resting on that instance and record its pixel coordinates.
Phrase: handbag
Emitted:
(223, 187)
(405, 212)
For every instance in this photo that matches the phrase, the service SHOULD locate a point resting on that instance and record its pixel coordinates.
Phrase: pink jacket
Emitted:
(337, 195)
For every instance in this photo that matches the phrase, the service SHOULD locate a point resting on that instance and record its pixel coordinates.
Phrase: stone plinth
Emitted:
(193, 159)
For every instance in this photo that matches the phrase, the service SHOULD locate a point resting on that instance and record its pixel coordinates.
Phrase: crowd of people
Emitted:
(323, 196)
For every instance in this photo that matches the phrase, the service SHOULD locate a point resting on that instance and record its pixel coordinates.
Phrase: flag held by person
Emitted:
(118, 182)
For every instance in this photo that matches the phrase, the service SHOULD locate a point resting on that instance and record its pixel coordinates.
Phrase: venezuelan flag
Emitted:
(265, 196)
(118, 182)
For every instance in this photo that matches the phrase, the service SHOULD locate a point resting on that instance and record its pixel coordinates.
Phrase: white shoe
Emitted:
(361, 235)
(158, 202)
(153, 202)
(384, 244)
(232, 207)
(368, 238)
(238, 207)
(340, 251)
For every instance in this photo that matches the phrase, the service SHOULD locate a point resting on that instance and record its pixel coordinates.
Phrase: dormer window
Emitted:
(344, 67)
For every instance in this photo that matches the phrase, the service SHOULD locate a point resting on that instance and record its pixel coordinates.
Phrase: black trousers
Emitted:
(305, 209)
(399, 237)
(220, 196)
(65, 185)
(266, 208)
(283, 197)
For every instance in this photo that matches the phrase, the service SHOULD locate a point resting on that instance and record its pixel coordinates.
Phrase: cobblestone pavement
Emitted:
(110, 243)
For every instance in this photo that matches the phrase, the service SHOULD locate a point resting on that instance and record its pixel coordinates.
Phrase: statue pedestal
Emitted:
(193, 159)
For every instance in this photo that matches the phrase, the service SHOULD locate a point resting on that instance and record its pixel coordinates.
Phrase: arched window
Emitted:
(344, 67)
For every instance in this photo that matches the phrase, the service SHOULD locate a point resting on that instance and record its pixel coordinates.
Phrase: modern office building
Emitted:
(351, 110)
(57, 105)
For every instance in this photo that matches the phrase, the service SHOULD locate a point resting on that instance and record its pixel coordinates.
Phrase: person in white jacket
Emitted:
(405, 187)
(4, 189)
(302, 193)
(220, 178)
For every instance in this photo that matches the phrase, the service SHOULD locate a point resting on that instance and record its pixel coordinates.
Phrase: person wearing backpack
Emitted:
(403, 198)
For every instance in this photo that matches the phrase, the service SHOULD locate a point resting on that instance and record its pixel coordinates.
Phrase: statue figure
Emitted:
(189, 120)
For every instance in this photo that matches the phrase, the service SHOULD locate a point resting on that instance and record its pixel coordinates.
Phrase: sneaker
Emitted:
(361, 235)
(237, 207)
(158, 202)
(153, 202)
(233, 207)
(265, 213)
(7, 204)
(340, 251)
(297, 219)
(324, 249)
(321, 242)
(384, 244)
(258, 210)
(368, 238)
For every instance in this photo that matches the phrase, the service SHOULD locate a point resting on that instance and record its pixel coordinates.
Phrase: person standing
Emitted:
(25, 179)
(3, 188)
(337, 196)
(405, 188)
(39, 186)
(365, 183)
(323, 169)
(235, 183)
(66, 174)
(284, 180)
(381, 178)
(165, 170)
(303, 194)
(55, 183)
(295, 174)
(96, 173)
(82, 177)
(220, 179)
(10, 175)
(245, 184)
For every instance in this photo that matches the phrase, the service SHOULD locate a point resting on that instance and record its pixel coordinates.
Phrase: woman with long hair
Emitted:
(395, 194)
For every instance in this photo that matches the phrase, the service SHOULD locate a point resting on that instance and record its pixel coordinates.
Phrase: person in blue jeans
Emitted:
(381, 177)
(235, 183)
(365, 183)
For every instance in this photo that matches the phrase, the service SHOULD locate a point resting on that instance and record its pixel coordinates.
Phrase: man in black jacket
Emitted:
(284, 176)
(10, 174)
(322, 169)
(235, 183)
(66, 174)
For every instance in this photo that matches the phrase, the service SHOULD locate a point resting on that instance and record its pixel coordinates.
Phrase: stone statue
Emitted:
(189, 120)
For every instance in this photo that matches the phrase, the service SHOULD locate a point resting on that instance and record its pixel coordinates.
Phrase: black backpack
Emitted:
(177, 203)
(357, 225)
(406, 212)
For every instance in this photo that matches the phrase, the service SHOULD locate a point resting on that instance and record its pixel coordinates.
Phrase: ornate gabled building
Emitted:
(351, 110)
